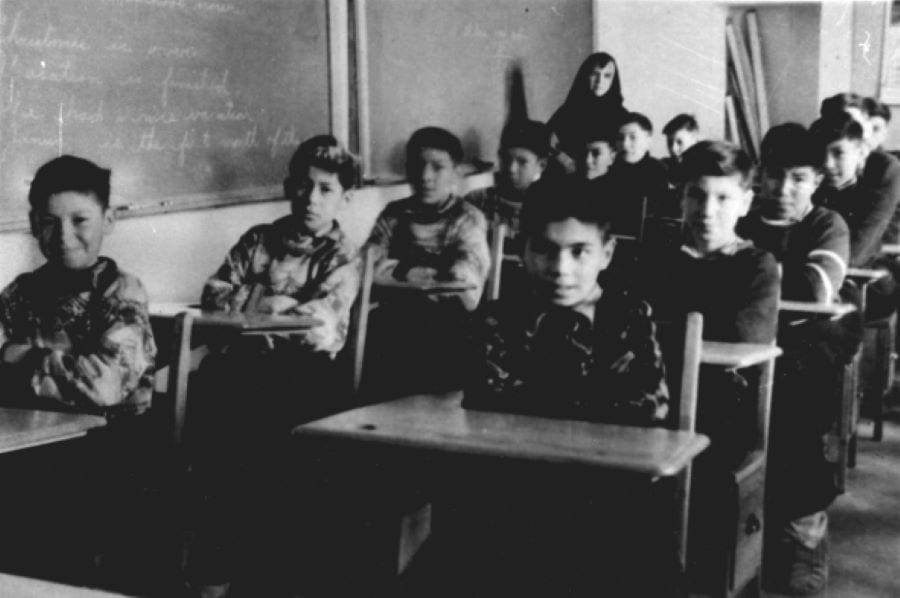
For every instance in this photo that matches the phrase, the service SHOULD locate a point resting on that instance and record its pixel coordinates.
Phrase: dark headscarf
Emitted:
(583, 110)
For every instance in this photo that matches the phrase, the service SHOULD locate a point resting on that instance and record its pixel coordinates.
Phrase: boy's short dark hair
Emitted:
(435, 138)
(561, 199)
(789, 145)
(839, 102)
(716, 158)
(638, 119)
(69, 173)
(529, 134)
(682, 121)
(325, 152)
(875, 108)
(834, 128)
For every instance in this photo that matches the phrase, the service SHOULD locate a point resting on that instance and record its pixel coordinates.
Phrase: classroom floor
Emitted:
(865, 521)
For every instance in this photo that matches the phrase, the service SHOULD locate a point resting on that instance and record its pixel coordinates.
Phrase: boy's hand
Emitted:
(98, 380)
(275, 304)
(421, 274)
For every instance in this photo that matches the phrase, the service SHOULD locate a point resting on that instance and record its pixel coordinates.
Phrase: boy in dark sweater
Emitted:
(638, 177)
(867, 213)
(812, 244)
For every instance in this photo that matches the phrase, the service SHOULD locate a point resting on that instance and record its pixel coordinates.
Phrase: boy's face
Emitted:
(520, 167)
(634, 142)
(601, 79)
(680, 141)
(316, 199)
(844, 159)
(712, 206)
(787, 192)
(879, 131)
(564, 260)
(70, 229)
(432, 173)
(863, 119)
(598, 157)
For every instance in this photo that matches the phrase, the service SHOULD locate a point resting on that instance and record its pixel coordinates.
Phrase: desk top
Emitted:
(737, 355)
(812, 308)
(866, 274)
(438, 286)
(26, 587)
(25, 428)
(439, 423)
(237, 321)
(890, 249)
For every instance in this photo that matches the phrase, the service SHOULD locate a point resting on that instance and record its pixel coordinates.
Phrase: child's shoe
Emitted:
(797, 561)
(809, 569)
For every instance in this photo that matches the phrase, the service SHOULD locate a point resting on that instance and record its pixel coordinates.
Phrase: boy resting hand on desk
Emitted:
(75, 332)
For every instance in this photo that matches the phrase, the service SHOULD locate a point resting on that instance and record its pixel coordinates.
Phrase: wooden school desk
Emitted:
(25, 428)
(439, 423)
(238, 322)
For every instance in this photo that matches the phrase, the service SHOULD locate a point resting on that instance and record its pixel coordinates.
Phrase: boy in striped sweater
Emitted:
(812, 244)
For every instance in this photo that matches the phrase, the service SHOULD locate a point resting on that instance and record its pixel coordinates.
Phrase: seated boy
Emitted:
(881, 173)
(681, 133)
(75, 335)
(301, 264)
(524, 150)
(599, 153)
(732, 283)
(432, 236)
(839, 140)
(637, 177)
(812, 245)
(569, 349)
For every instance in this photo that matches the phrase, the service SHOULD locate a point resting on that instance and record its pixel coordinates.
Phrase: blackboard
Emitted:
(190, 102)
(447, 63)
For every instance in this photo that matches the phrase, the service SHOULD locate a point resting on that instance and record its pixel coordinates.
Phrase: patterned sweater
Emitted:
(503, 208)
(101, 311)
(451, 238)
(322, 273)
(556, 363)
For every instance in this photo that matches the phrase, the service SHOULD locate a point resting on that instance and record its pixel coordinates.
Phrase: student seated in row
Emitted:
(637, 177)
(572, 348)
(881, 174)
(735, 286)
(75, 336)
(524, 151)
(75, 333)
(681, 133)
(433, 236)
(868, 214)
(880, 119)
(255, 388)
(812, 243)
(599, 153)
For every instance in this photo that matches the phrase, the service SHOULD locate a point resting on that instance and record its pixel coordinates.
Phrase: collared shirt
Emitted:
(100, 311)
(555, 362)
(321, 272)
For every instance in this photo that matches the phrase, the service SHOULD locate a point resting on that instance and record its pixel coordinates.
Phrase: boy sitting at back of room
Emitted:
(433, 236)
(75, 333)
(880, 120)
(638, 177)
(868, 214)
(681, 133)
(812, 245)
(524, 151)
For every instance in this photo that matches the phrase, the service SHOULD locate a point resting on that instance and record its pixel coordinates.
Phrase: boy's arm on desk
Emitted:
(813, 308)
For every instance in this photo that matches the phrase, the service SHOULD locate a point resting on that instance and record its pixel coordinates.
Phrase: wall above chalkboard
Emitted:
(189, 102)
